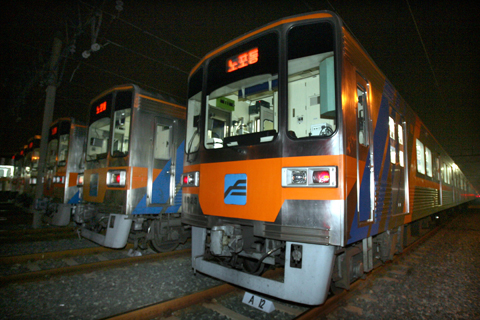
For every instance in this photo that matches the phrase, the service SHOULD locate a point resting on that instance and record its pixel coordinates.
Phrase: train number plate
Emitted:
(258, 302)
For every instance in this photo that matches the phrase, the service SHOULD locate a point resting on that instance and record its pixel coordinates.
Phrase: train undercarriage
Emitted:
(235, 248)
(162, 232)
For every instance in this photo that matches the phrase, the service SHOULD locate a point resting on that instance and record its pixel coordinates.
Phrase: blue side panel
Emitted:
(161, 187)
(380, 137)
(76, 198)
(365, 202)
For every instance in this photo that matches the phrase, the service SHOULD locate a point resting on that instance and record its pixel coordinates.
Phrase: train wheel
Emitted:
(165, 239)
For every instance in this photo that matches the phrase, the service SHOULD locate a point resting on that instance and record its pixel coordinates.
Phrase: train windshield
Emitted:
(242, 95)
(99, 128)
(242, 90)
(311, 81)
(121, 123)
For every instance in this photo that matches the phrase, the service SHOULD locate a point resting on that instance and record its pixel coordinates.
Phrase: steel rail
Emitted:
(46, 274)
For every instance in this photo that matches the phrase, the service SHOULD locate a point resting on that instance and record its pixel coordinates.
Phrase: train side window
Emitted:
(444, 173)
(162, 143)
(438, 169)
(362, 116)
(428, 162)
(121, 133)
(400, 143)
(420, 157)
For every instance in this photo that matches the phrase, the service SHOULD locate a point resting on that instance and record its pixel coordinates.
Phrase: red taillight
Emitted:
(321, 177)
(190, 179)
(116, 178)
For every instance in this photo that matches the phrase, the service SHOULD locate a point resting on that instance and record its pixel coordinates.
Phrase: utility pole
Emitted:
(47, 120)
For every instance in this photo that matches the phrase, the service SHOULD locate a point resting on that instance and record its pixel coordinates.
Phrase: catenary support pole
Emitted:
(47, 120)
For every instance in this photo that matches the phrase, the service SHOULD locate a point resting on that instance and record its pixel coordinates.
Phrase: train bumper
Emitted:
(307, 285)
(116, 235)
(62, 214)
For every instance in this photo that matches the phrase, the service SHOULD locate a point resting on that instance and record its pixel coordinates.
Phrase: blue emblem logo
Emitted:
(235, 189)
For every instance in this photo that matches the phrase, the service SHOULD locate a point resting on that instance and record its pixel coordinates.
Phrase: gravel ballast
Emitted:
(440, 280)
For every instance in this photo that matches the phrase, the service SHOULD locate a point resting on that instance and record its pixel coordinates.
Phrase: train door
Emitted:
(398, 159)
(365, 169)
(440, 180)
(161, 173)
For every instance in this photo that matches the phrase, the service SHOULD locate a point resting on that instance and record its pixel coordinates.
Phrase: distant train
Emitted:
(134, 160)
(64, 165)
(17, 181)
(6, 179)
(301, 154)
(29, 171)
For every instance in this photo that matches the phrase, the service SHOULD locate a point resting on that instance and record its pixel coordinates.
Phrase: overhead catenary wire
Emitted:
(146, 32)
(143, 85)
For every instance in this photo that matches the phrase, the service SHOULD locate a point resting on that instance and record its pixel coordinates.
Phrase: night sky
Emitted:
(156, 43)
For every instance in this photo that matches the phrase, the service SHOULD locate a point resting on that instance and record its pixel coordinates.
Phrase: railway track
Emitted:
(35, 267)
(226, 299)
(42, 234)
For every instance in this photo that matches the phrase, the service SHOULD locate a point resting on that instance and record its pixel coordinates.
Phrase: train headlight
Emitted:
(309, 177)
(191, 179)
(116, 178)
(299, 177)
(80, 179)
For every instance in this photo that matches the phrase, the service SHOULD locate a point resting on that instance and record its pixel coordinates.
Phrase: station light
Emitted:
(191, 179)
(116, 178)
(309, 177)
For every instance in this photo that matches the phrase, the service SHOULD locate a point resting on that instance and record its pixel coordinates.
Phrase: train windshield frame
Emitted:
(312, 108)
(58, 143)
(243, 90)
(113, 110)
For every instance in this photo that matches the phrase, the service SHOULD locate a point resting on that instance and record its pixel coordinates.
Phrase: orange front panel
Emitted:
(265, 194)
(72, 179)
(139, 177)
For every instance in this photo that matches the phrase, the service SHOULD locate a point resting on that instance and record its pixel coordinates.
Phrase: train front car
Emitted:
(301, 154)
(134, 160)
(64, 163)
(263, 156)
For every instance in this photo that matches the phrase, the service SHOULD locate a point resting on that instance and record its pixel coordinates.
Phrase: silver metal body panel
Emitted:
(116, 237)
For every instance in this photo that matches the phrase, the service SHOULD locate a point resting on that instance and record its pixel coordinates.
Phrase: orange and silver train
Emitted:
(301, 154)
(29, 171)
(64, 163)
(134, 161)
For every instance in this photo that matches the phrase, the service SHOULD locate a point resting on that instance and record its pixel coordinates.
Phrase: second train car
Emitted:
(65, 162)
(134, 160)
(301, 154)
